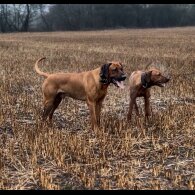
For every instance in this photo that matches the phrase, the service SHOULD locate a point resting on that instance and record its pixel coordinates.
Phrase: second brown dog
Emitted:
(140, 83)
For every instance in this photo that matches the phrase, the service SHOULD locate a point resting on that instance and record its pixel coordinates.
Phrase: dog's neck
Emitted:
(145, 84)
(103, 80)
(103, 83)
(103, 86)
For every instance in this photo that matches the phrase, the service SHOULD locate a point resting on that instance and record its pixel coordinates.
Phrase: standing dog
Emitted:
(90, 86)
(140, 83)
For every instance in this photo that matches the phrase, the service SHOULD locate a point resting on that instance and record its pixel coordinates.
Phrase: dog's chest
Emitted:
(101, 93)
(141, 92)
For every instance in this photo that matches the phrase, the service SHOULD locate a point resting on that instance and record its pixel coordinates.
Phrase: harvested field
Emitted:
(69, 155)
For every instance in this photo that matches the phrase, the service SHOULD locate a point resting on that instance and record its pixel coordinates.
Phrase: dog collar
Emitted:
(144, 83)
(104, 81)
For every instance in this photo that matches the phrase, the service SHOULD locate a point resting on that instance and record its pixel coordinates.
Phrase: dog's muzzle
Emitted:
(119, 81)
(122, 78)
(162, 84)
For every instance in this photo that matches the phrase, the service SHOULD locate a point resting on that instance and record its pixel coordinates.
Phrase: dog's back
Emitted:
(135, 78)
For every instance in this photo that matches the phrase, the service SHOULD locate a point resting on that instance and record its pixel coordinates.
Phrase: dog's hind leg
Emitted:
(131, 103)
(48, 105)
(56, 103)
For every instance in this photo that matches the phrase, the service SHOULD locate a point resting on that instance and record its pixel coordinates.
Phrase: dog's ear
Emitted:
(148, 76)
(104, 72)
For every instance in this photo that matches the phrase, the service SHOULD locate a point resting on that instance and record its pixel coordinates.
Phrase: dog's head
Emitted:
(112, 73)
(154, 77)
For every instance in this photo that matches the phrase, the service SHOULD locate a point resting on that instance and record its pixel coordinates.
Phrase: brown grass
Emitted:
(69, 155)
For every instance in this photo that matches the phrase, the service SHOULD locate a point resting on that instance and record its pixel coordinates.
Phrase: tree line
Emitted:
(59, 17)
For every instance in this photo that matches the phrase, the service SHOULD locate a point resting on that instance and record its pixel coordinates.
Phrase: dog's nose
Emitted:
(169, 78)
(124, 76)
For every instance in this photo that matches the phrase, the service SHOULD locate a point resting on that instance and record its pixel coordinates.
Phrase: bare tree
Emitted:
(43, 15)
(17, 17)
(52, 17)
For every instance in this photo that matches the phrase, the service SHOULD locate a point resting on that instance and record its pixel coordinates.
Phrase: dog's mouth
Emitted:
(161, 84)
(119, 83)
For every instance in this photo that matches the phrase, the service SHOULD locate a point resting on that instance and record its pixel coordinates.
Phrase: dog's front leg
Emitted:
(98, 110)
(131, 103)
(92, 110)
(136, 109)
(147, 107)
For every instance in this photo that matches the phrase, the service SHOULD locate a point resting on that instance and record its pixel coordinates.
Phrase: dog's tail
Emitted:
(38, 70)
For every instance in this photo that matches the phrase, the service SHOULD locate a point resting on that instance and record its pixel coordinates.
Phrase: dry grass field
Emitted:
(69, 155)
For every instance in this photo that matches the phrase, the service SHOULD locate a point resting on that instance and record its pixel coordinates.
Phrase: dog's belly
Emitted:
(78, 97)
(140, 94)
(75, 94)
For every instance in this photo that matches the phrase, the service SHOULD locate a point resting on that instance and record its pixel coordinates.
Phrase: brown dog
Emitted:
(90, 86)
(140, 83)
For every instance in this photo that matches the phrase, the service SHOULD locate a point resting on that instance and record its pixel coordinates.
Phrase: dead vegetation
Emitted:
(69, 155)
